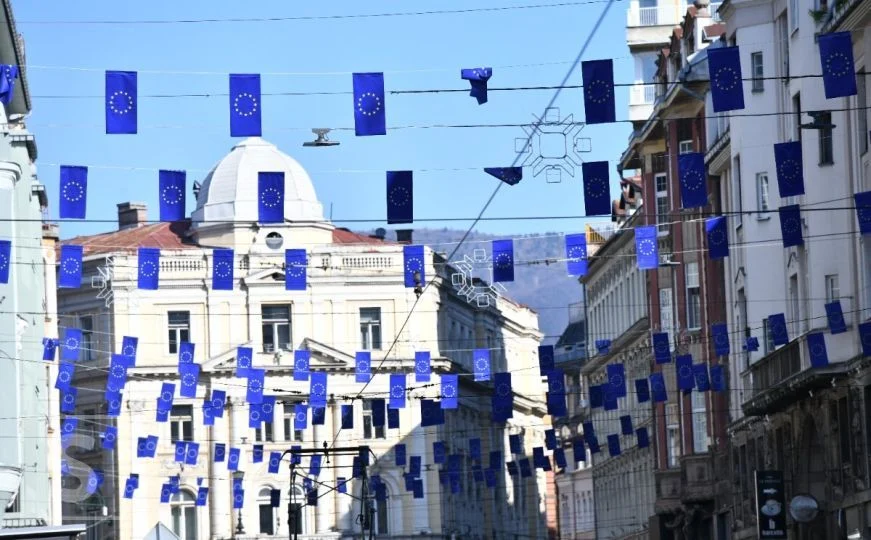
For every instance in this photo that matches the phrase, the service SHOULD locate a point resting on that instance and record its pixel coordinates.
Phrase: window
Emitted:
(181, 423)
(370, 328)
(793, 15)
(179, 329)
(757, 72)
(767, 336)
(833, 289)
(662, 217)
(685, 147)
(184, 515)
(700, 423)
(381, 517)
(796, 111)
(862, 112)
(794, 306)
(368, 429)
(86, 324)
(762, 195)
(268, 514)
(827, 152)
(783, 46)
(673, 445)
(694, 297)
(291, 434)
(666, 312)
(737, 202)
(298, 523)
(276, 327)
(264, 433)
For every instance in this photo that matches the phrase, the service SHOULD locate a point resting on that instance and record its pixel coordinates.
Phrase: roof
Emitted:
(714, 30)
(55, 532)
(12, 52)
(174, 236)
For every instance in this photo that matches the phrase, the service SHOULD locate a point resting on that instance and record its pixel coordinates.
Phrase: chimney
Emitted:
(404, 235)
(131, 214)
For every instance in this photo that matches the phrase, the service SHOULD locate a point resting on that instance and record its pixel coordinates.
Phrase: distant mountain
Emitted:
(544, 287)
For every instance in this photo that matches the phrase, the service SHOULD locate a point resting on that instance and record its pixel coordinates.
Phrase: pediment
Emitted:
(265, 277)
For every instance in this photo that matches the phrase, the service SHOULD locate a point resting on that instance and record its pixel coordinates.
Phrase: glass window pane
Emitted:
(376, 336)
(184, 334)
(176, 520)
(266, 521)
(173, 341)
(364, 336)
(283, 336)
(188, 429)
(279, 312)
(268, 337)
(288, 429)
(190, 522)
(180, 318)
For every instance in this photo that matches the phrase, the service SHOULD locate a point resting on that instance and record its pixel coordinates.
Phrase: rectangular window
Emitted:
(783, 45)
(370, 431)
(738, 202)
(862, 112)
(181, 423)
(370, 328)
(291, 434)
(833, 289)
(694, 298)
(666, 312)
(264, 433)
(767, 337)
(685, 147)
(267, 519)
(673, 445)
(796, 116)
(662, 209)
(700, 423)
(757, 72)
(86, 323)
(178, 329)
(276, 327)
(762, 195)
(827, 151)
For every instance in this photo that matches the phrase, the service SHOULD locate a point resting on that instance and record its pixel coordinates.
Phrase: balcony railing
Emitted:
(712, 9)
(642, 94)
(651, 16)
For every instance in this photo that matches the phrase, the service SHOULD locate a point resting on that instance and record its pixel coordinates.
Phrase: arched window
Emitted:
(381, 517)
(300, 519)
(268, 514)
(184, 515)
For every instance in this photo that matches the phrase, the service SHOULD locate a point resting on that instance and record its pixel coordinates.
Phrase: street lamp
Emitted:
(237, 479)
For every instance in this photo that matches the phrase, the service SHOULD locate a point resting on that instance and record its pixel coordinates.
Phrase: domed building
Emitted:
(354, 300)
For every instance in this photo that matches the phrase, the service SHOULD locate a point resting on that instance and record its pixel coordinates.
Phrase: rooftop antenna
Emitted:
(322, 139)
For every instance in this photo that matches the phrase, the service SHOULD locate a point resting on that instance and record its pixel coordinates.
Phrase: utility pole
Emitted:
(366, 510)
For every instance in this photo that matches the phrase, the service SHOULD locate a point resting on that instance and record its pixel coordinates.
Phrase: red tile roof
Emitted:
(174, 236)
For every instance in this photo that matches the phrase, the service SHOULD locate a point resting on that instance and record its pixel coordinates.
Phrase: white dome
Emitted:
(229, 192)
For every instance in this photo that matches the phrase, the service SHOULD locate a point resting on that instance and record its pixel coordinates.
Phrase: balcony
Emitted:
(712, 9)
(668, 483)
(642, 94)
(651, 16)
(697, 477)
(779, 378)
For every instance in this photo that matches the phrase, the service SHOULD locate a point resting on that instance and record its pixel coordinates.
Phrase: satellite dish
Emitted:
(804, 508)
(322, 139)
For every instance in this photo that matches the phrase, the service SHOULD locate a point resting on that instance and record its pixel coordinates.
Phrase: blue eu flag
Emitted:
(700, 373)
(683, 365)
(397, 391)
(421, 366)
(8, 74)
(626, 425)
(790, 171)
(189, 374)
(431, 413)
(614, 445)
(270, 197)
(503, 260)
(863, 212)
(777, 327)
(399, 454)
(790, 225)
(545, 359)
(254, 393)
(596, 397)
(301, 364)
(172, 195)
(509, 175)
(576, 254)
(724, 70)
(718, 237)
(378, 412)
(64, 378)
(481, 368)
(839, 71)
(835, 315)
(450, 391)
(718, 378)
(597, 191)
(657, 387)
(413, 264)
(295, 272)
(642, 390)
(149, 268)
(400, 197)
(202, 496)
(245, 106)
(347, 417)
(73, 192)
(369, 112)
(865, 338)
(720, 335)
(478, 78)
(751, 344)
(5, 260)
(816, 345)
(186, 352)
(693, 180)
(642, 437)
(274, 462)
(70, 266)
(243, 360)
(392, 418)
(318, 389)
(121, 102)
(363, 364)
(598, 77)
(617, 379)
(646, 247)
(71, 345)
(222, 269)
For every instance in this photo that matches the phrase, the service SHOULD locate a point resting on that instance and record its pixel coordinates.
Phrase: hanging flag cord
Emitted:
(366, 507)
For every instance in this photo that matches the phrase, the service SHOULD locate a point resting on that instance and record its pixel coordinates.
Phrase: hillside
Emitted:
(544, 287)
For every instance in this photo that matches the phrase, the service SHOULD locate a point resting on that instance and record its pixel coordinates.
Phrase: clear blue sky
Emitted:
(193, 133)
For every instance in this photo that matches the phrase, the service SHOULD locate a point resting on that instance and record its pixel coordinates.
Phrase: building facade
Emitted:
(29, 451)
(355, 300)
(810, 423)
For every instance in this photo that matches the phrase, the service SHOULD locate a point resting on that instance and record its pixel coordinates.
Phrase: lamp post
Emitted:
(237, 478)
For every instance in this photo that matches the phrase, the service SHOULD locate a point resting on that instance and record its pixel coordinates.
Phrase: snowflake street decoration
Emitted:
(103, 282)
(476, 290)
(552, 146)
